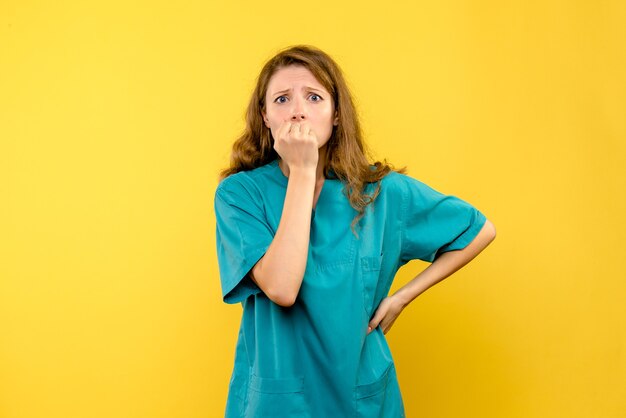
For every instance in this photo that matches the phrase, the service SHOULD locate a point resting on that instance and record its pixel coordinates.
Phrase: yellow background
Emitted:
(116, 117)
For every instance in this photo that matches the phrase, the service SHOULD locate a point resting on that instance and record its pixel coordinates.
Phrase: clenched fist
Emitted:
(297, 144)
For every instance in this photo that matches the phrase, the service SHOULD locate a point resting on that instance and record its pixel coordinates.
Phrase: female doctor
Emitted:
(309, 236)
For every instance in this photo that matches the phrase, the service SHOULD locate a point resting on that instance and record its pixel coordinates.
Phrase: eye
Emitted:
(317, 95)
(277, 99)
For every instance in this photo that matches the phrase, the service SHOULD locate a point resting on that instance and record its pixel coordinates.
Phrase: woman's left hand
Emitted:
(386, 314)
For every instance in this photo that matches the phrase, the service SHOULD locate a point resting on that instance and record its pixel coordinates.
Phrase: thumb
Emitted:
(375, 321)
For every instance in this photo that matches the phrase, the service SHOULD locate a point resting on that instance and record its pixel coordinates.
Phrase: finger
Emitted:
(387, 327)
(295, 128)
(305, 128)
(384, 326)
(375, 321)
(284, 129)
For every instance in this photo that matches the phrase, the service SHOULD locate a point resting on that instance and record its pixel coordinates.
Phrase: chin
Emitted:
(324, 143)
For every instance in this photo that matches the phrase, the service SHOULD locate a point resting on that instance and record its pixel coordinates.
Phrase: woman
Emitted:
(309, 237)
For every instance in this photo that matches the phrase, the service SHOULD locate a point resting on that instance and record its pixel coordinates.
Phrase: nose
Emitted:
(298, 110)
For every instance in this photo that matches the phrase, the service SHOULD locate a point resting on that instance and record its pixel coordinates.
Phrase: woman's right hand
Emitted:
(297, 145)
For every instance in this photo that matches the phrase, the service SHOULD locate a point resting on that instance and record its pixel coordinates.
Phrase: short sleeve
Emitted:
(242, 237)
(434, 223)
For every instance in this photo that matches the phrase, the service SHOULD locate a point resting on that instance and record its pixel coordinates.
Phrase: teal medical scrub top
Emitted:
(314, 359)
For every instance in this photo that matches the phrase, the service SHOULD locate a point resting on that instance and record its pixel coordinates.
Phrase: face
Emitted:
(294, 94)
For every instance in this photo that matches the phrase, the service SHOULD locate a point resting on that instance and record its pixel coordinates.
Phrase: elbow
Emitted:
(492, 230)
(284, 299)
(283, 295)
(287, 302)
(280, 289)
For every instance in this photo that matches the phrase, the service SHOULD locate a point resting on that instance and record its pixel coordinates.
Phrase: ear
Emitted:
(267, 122)
(336, 121)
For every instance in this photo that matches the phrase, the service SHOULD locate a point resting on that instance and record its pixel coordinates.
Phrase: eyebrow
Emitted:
(306, 87)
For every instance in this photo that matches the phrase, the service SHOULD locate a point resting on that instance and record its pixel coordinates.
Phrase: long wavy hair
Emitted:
(347, 155)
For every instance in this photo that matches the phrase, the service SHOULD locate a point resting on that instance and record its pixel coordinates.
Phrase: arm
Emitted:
(446, 264)
(280, 271)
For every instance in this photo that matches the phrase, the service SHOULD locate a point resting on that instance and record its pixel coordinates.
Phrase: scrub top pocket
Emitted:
(370, 397)
(276, 397)
(370, 273)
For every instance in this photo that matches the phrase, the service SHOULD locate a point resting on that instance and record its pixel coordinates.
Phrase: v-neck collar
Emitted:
(319, 197)
(284, 180)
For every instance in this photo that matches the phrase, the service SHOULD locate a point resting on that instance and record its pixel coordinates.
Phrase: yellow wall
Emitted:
(116, 117)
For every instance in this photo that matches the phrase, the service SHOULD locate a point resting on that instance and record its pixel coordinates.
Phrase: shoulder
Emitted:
(232, 186)
(397, 183)
(408, 190)
(407, 184)
(251, 183)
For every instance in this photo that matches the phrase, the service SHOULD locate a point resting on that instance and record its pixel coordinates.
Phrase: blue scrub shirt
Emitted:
(314, 359)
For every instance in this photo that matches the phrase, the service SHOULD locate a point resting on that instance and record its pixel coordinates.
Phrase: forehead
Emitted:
(293, 76)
